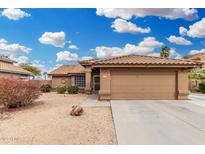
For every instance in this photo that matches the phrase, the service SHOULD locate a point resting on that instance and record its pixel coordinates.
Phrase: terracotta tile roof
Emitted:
(6, 59)
(68, 69)
(198, 56)
(139, 60)
(11, 68)
(89, 61)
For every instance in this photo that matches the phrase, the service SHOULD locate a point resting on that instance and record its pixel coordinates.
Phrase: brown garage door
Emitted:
(135, 84)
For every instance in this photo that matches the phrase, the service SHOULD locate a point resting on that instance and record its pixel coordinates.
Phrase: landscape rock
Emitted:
(76, 110)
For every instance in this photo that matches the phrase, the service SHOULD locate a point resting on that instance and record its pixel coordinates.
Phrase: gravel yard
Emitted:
(48, 122)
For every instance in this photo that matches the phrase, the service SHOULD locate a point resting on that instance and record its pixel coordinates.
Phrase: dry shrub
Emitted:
(46, 88)
(15, 92)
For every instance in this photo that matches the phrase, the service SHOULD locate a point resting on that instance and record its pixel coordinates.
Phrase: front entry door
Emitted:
(96, 83)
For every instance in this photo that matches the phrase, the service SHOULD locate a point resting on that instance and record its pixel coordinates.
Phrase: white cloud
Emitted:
(154, 54)
(192, 52)
(25, 60)
(123, 26)
(38, 65)
(5, 47)
(103, 51)
(174, 54)
(197, 30)
(56, 39)
(145, 47)
(182, 31)
(86, 58)
(14, 14)
(150, 42)
(66, 56)
(178, 40)
(36, 61)
(72, 46)
(2, 41)
(168, 13)
(20, 59)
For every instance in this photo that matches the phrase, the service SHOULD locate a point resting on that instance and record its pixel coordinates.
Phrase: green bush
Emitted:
(202, 87)
(61, 90)
(73, 90)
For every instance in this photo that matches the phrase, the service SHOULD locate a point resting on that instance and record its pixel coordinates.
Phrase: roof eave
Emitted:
(146, 65)
(85, 64)
(66, 74)
(16, 72)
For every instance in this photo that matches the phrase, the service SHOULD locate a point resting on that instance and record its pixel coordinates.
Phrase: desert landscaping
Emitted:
(47, 121)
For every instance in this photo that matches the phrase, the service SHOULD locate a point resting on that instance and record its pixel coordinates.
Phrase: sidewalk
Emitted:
(91, 101)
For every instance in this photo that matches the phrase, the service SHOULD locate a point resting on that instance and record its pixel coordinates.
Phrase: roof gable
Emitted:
(198, 56)
(68, 69)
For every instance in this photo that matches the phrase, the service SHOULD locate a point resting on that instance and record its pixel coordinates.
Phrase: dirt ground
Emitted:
(48, 122)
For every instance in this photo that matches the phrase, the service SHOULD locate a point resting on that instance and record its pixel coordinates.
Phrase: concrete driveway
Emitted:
(159, 122)
(197, 99)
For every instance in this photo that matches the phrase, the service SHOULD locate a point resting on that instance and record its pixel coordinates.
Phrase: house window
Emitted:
(80, 81)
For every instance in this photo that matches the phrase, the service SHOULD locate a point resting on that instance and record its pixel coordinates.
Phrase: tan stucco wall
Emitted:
(58, 81)
(12, 75)
(181, 83)
(73, 80)
(105, 78)
(88, 80)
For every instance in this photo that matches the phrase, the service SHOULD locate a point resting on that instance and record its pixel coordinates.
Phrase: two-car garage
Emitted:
(143, 84)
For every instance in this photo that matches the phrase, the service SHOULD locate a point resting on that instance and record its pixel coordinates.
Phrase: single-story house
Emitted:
(8, 69)
(200, 57)
(129, 77)
(68, 75)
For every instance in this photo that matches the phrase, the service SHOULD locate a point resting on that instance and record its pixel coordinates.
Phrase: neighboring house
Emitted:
(8, 69)
(68, 75)
(194, 83)
(135, 77)
(200, 57)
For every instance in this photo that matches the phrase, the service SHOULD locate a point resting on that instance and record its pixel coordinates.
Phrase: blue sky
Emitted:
(42, 37)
